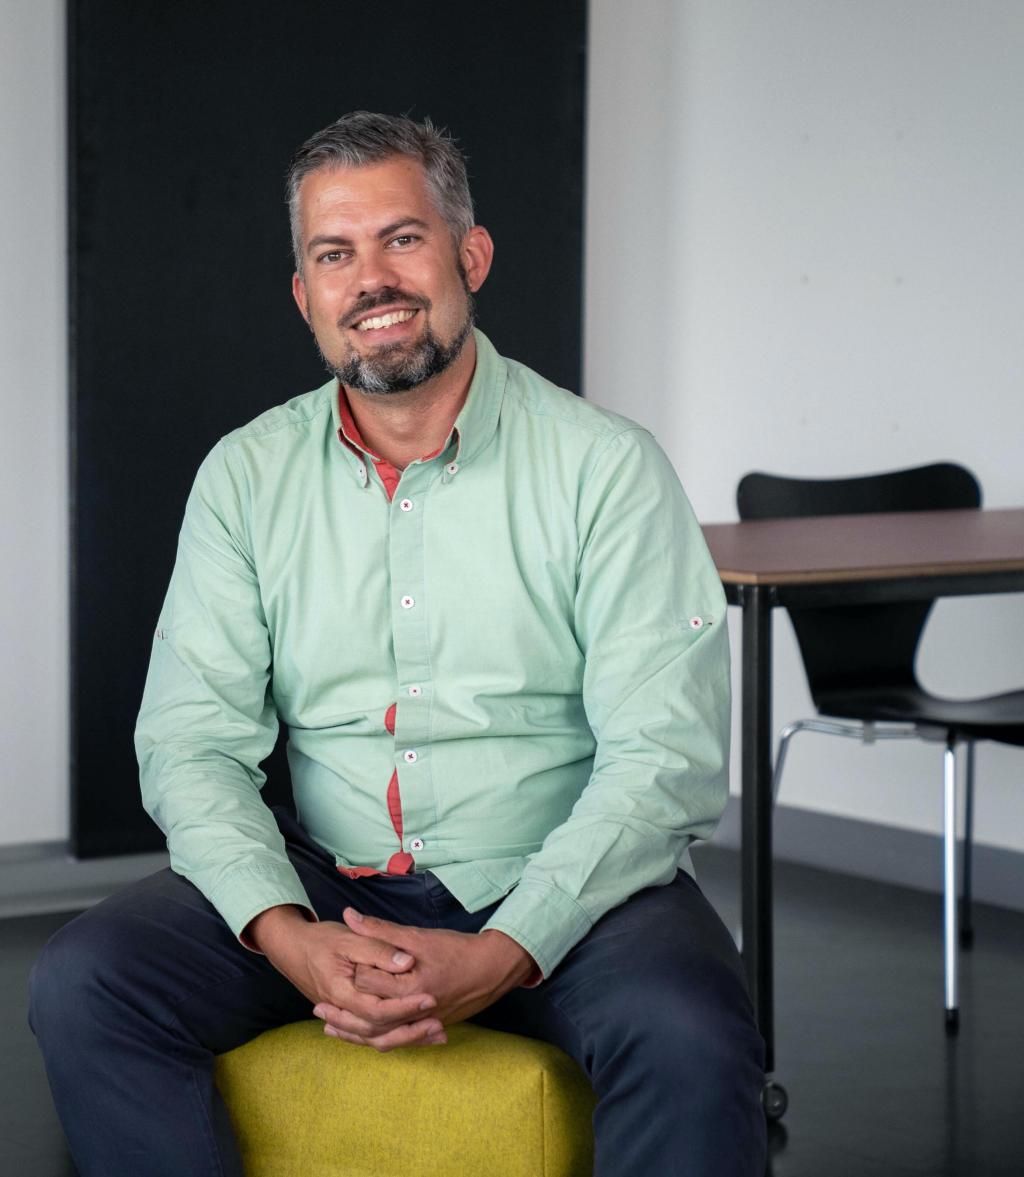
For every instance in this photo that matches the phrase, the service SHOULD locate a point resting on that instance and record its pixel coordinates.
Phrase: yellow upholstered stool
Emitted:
(485, 1105)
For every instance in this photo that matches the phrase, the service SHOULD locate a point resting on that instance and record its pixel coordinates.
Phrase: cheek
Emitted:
(326, 306)
(329, 290)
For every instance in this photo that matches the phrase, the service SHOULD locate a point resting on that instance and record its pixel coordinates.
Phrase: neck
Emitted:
(404, 426)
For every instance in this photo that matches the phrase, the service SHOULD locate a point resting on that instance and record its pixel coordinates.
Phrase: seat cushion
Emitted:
(305, 1105)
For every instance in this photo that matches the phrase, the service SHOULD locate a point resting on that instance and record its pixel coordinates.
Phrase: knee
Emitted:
(693, 1029)
(72, 972)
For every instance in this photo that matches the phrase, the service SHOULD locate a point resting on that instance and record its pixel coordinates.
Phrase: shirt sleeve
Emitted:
(207, 717)
(650, 620)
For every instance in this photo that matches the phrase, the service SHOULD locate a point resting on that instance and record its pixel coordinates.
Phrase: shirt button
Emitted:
(415, 691)
(696, 622)
(407, 602)
(411, 757)
(452, 467)
(406, 504)
(361, 471)
(417, 844)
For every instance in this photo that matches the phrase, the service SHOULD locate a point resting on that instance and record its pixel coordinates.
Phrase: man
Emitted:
(487, 616)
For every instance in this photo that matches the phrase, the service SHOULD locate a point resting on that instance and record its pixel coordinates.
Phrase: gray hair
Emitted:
(362, 138)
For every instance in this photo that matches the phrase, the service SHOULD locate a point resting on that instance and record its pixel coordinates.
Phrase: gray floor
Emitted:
(876, 1089)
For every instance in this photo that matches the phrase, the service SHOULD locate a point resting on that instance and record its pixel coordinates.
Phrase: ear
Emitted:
(299, 294)
(476, 253)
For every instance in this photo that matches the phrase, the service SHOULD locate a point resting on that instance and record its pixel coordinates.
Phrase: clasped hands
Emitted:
(386, 985)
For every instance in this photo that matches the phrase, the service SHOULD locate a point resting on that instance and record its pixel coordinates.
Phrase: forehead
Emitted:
(366, 197)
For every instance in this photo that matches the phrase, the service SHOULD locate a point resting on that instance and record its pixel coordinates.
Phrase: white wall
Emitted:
(33, 425)
(806, 254)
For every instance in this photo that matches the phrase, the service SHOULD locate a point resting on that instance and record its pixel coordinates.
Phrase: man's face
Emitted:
(384, 289)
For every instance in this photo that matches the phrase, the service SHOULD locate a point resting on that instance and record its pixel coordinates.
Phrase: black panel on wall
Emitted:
(182, 120)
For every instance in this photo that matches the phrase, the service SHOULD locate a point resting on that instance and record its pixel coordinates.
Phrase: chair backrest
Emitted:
(851, 647)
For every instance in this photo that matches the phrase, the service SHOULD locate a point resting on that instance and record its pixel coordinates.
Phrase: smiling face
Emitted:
(383, 287)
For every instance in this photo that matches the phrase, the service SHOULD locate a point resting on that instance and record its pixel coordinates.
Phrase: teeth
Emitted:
(379, 321)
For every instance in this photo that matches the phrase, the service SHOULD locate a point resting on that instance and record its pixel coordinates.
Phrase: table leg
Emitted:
(756, 810)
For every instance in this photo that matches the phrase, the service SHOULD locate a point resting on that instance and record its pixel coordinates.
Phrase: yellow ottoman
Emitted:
(485, 1105)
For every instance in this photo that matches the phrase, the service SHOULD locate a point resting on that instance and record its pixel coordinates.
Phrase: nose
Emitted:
(375, 272)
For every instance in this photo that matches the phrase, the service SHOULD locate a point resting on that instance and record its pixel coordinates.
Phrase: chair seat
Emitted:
(305, 1105)
(997, 717)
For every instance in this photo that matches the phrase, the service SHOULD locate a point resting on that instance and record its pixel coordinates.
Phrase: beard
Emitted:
(398, 367)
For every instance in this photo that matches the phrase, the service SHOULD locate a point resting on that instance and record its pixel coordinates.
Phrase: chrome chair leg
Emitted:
(966, 923)
(865, 731)
(949, 888)
(855, 729)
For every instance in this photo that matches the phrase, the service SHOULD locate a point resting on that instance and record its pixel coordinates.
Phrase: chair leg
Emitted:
(785, 736)
(966, 923)
(949, 889)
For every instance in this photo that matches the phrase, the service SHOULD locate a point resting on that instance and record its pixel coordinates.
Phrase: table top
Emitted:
(889, 545)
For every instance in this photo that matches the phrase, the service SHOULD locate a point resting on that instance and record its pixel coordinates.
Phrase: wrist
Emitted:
(515, 964)
(268, 928)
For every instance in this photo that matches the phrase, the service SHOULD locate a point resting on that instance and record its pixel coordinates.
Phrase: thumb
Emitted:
(383, 930)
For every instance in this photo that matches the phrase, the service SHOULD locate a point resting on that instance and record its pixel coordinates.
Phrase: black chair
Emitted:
(860, 659)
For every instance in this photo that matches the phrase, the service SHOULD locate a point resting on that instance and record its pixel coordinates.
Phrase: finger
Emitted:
(384, 930)
(377, 1013)
(370, 980)
(409, 1035)
(351, 1023)
(381, 953)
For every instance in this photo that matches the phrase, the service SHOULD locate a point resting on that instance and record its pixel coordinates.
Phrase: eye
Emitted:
(402, 240)
(328, 258)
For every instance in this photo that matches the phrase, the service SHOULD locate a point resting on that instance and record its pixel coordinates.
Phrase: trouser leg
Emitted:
(132, 1000)
(129, 1003)
(653, 1006)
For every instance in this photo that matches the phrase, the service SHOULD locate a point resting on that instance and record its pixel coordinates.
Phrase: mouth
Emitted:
(387, 321)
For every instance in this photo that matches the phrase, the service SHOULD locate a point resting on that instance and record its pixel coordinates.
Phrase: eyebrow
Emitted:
(333, 239)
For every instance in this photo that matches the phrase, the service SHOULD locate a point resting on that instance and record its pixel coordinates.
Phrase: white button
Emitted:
(696, 622)
(417, 844)
(407, 602)
(415, 691)
(406, 504)
(361, 471)
(411, 757)
(452, 467)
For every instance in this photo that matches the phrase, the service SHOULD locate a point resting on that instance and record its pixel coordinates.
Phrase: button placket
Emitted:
(411, 651)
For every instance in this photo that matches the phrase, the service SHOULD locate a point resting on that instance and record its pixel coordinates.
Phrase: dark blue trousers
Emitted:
(131, 1001)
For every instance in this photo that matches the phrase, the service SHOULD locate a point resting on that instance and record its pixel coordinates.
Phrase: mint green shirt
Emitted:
(537, 599)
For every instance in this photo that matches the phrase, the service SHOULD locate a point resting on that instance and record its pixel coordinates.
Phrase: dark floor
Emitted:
(875, 1087)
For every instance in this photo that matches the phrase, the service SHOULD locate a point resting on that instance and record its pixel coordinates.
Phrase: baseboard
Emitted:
(908, 858)
(43, 876)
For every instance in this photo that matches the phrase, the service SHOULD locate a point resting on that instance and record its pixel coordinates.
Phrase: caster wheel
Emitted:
(952, 1023)
(774, 1100)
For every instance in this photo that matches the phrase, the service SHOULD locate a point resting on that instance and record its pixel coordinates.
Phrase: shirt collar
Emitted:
(474, 426)
(478, 418)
